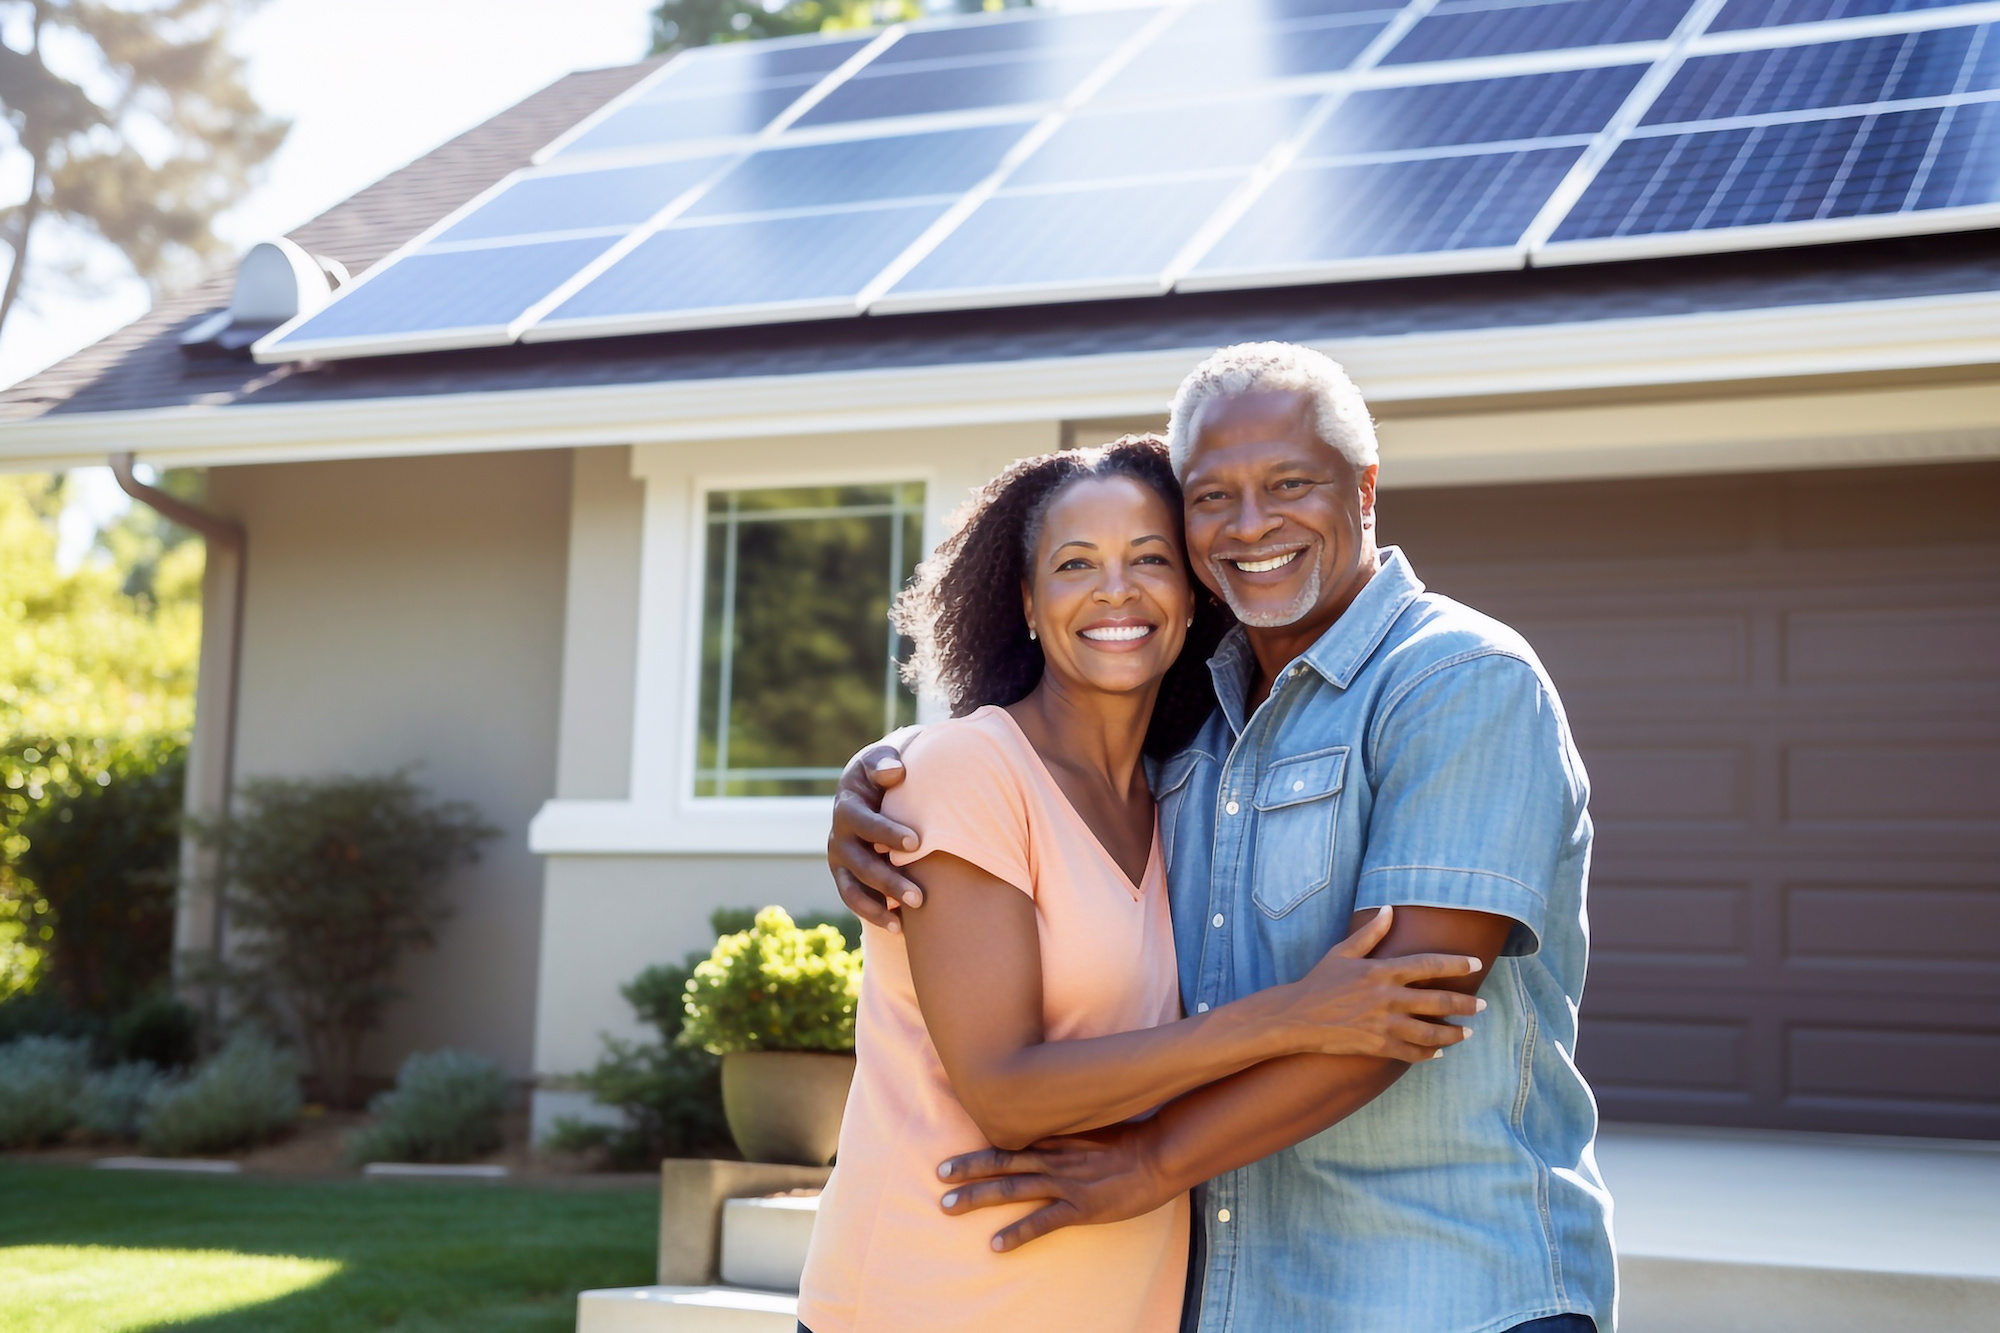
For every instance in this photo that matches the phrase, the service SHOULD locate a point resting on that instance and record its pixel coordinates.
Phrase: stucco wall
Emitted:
(410, 611)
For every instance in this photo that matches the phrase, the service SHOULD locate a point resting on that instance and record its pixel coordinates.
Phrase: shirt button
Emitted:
(1216, 921)
(1222, 1214)
(1299, 785)
(1231, 808)
(1201, 1008)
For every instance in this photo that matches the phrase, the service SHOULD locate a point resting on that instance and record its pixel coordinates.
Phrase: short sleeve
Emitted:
(1478, 796)
(963, 795)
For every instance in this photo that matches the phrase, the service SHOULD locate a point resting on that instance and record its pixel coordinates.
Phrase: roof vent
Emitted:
(276, 281)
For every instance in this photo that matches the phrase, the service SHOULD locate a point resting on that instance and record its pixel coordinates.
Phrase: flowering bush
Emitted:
(775, 987)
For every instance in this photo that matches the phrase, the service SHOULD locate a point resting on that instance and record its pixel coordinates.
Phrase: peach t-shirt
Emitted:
(883, 1257)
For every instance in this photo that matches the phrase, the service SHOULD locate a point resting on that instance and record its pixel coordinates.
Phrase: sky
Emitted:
(368, 85)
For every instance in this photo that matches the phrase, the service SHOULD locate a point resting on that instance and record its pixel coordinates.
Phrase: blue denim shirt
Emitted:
(1416, 754)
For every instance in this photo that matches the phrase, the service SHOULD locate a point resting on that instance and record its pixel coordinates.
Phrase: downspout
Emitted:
(211, 774)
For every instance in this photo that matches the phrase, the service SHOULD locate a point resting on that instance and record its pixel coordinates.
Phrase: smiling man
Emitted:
(1375, 745)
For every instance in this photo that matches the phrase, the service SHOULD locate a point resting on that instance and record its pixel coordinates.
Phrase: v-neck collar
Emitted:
(1153, 869)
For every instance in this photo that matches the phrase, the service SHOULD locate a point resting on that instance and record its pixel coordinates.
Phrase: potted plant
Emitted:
(776, 1002)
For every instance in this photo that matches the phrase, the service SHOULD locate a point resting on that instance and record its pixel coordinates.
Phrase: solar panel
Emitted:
(1198, 55)
(1166, 140)
(456, 298)
(619, 199)
(1010, 61)
(1430, 115)
(711, 92)
(814, 175)
(1829, 74)
(1815, 171)
(1462, 29)
(792, 266)
(1059, 245)
(1740, 14)
(1318, 223)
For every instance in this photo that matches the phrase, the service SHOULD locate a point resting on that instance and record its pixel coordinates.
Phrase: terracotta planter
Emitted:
(784, 1106)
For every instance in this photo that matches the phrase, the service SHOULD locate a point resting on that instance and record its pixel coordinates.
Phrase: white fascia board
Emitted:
(1721, 347)
(765, 826)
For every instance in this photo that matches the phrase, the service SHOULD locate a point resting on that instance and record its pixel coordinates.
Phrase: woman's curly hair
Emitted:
(963, 609)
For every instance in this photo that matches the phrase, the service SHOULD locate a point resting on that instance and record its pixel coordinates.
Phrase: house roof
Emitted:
(140, 368)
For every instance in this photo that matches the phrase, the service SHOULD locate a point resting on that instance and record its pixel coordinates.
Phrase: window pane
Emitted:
(798, 661)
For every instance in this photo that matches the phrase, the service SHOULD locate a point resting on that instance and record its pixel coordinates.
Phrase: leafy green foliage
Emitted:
(248, 1094)
(102, 854)
(775, 987)
(97, 672)
(330, 881)
(445, 1107)
(670, 1094)
(39, 1080)
(143, 132)
(112, 1103)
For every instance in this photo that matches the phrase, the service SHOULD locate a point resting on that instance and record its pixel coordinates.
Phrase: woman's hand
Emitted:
(857, 846)
(1351, 1004)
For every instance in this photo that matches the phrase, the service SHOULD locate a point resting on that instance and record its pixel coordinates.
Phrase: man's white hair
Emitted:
(1341, 415)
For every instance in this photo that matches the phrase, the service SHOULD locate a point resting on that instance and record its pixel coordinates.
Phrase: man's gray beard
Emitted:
(1308, 598)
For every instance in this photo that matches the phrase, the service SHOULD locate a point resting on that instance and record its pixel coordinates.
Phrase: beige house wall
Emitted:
(410, 612)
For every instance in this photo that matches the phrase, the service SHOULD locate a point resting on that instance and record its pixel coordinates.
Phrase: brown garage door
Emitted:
(1787, 690)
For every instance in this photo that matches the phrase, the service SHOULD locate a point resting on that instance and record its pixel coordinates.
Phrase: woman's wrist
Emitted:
(1267, 1026)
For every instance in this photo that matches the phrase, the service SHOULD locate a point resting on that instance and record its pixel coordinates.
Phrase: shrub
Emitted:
(775, 987)
(40, 1013)
(112, 1102)
(330, 881)
(39, 1080)
(99, 855)
(248, 1094)
(158, 1030)
(670, 1093)
(445, 1107)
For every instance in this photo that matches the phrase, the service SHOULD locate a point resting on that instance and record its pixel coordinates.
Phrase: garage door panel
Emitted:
(1894, 783)
(1637, 652)
(1900, 507)
(1671, 923)
(1641, 1053)
(1669, 784)
(1904, 646)
(1930, 928)
(1879, 1064)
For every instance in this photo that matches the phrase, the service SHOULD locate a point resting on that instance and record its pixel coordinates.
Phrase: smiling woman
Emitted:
(111, 1288)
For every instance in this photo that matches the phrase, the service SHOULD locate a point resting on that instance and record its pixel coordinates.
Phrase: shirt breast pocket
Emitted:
(1298, 801)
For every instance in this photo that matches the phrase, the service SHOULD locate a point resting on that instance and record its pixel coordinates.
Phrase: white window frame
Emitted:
(697, 587)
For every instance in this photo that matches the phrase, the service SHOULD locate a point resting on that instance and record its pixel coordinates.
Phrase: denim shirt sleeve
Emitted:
(1475, 794)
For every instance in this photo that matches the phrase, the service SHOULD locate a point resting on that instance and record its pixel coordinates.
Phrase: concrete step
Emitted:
(685, 1310)
(764, 1241)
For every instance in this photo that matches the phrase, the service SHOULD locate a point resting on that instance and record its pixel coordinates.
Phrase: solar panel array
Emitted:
(1044, 156)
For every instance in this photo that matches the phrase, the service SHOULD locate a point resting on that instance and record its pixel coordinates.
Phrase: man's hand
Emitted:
(856, 849)
(1106, 1175)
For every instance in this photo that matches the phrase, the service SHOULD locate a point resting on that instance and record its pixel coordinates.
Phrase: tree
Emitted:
(136, 124)
(97, 674)
(678, 24)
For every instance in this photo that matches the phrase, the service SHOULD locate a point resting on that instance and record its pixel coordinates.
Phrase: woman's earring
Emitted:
(1031, 634)
(1190, 623)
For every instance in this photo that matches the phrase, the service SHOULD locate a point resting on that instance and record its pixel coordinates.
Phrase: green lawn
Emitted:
(86, 1251)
